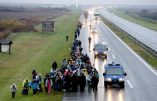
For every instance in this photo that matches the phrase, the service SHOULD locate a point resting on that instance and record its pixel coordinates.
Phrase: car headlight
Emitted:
(104, 52)
(96, 52)
(108, 79)
(121, 79)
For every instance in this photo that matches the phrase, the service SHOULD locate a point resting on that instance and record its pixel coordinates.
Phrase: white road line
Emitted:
(129, 83)
(113, 56)
(143, 61)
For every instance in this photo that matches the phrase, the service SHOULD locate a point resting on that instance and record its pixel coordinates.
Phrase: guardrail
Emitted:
(143, 45)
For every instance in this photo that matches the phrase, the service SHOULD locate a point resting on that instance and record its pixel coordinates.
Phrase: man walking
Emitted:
(13, 89)
(67, 38)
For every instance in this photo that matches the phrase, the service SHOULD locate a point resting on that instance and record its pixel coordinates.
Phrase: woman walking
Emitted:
(49, 83)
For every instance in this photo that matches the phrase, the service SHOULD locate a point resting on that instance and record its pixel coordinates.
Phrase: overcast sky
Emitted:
(154, 2)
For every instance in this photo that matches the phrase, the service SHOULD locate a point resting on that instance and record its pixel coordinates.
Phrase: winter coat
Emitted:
(13, 88)
(54, 65)
(34, 85)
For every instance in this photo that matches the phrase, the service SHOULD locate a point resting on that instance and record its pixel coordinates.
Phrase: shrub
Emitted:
(9, 25)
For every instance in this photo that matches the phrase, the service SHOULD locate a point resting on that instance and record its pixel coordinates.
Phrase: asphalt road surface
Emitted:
(143, 34)
(141, 80)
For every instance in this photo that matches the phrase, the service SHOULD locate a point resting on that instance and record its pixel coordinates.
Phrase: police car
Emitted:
(114, 75)
(100, 49)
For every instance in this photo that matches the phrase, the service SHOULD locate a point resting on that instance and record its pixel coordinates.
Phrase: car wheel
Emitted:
(94, 56)
(122, 85)
(105, 57)
(105, 85)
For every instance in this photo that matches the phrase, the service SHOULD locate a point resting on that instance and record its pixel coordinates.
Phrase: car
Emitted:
(86, 13)
(96, 15)
(93, 29)
(100, 49)
(114, 75)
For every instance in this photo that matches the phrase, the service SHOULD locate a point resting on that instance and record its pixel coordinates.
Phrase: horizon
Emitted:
(83, 2)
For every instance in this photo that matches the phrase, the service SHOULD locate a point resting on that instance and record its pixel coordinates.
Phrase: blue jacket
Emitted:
(34, 85)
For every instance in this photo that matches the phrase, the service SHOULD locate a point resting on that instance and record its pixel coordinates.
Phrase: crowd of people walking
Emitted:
(75, 73)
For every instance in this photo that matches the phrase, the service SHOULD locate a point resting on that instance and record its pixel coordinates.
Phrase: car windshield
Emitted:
(96, 14)
(100, 46)
(113, 71)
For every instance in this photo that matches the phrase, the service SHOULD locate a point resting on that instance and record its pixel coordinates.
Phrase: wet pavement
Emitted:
(140, 83)
(143, 34)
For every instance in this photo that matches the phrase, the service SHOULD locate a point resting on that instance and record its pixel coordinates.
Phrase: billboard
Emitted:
(48, 26)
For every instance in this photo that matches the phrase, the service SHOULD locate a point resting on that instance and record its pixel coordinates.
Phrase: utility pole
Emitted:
(77, 3)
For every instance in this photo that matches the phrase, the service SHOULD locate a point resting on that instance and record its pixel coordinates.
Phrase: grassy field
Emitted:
(35, 13)
(35, 51)
(138, 49)
(141, 21)
(15, 19)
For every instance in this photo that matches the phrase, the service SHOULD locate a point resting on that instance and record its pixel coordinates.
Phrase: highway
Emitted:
(141, 80)
(143, 34)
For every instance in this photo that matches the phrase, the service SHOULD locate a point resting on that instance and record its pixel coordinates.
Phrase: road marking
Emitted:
(113, 56)
(129, 83)
(143, 61)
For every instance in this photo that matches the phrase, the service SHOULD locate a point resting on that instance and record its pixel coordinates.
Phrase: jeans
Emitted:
(13, 94)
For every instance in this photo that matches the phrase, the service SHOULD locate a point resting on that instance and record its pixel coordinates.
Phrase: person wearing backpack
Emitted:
(25, 87)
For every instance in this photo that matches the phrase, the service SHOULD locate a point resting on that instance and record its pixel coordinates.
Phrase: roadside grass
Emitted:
(36, 50)
(148, 23)
(131, 43)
